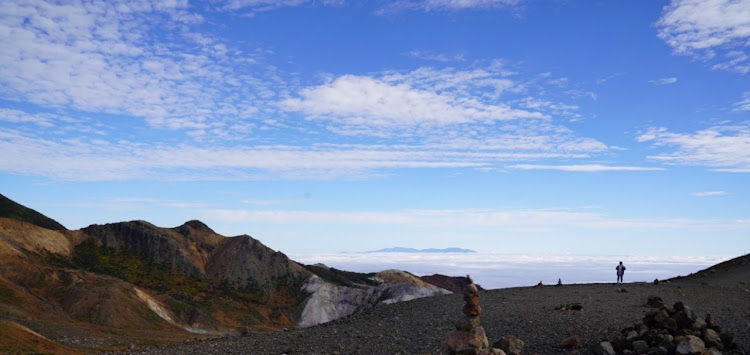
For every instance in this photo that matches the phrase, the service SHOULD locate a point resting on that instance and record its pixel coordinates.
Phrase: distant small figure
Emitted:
(656, 281)
(559, 282)
(620, 271)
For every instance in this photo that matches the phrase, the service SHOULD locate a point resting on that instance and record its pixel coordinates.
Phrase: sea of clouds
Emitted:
(499, 270)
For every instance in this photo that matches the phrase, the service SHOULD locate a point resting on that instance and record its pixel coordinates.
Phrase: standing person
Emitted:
(620, 271)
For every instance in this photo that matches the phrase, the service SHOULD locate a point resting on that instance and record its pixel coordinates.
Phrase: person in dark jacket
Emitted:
(620, 271)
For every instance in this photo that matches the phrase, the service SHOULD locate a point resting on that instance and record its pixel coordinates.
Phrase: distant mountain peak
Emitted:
(197, 225)
(430, 250)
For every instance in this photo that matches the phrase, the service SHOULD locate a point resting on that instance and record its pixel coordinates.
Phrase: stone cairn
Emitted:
(670, 330)
(469, 337)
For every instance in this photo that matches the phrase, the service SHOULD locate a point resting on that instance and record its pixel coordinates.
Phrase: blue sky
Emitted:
(579, 127)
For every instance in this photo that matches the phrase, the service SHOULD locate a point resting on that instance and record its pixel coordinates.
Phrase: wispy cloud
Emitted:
(709, 193)
(98, 159)
(724, 148)
(583, 167)
(445, 5)
(715, 30)
(438, 57)
(744, 104)
(256, 6)
(663, 81)
(519, 220)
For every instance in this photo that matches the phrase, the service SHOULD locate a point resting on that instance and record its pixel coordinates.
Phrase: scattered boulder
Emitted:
(640, 347)
(671, 330)
(690, 345)
(711, 338)
(510, 345)
(603, 348)
(654, 301)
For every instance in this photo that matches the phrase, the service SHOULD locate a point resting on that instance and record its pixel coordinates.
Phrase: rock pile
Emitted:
(670, 330)
(469, 336)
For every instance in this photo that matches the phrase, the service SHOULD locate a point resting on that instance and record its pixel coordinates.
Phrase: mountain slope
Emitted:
(133, 282)
(11, 209)
(730, 272)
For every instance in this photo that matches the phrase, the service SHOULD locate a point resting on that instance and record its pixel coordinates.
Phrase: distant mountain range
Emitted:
(430, 250)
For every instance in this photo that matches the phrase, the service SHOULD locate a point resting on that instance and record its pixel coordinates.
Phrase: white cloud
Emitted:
(112, 57)
(705, 27)
(87, 159)
(256, 6)
(16, 116)
(438, 57)
(427, 102)
(515, 220)
(445, 5)
(725, 148)
(709, 193)
(582, 167)
(496, 270)
(744, 104)
(663, 81)
(384, 105)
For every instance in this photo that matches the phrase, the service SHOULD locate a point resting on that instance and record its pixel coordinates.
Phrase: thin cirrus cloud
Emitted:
(582, 167)
(437, 57)
(518, 220)
(257, 6)
(709, 193)
(663, 81)
(716, 30)
(722, 148)
(81, 159)
(744, 104)
(444, 5)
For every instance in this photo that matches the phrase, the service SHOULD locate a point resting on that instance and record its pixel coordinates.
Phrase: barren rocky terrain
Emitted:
(529, 313)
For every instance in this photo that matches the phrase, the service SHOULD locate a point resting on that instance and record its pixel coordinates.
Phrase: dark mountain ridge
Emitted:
(11, 209)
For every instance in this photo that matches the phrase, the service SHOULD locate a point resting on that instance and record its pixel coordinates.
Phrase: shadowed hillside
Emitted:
(13, 210)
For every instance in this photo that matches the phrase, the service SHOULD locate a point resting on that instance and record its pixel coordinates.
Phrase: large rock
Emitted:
(603, 348)
(475, 338)
(712, 339)
(510, 344)
(328, 302)
(690, 345)
(467, 323)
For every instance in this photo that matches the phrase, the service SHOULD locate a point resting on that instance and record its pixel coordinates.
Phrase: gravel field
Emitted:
(420, 326)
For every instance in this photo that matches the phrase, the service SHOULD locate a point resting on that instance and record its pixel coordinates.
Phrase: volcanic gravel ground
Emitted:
(420, 326)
